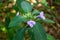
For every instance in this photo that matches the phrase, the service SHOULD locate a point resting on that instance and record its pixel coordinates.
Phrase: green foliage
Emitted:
(35, 12)
(18, 3)
(11, 33)
(26, 6)
(38, 32)
(16, 20)
(44, 1)
(49, 37)
(20, 34)
(7, 21)
(49, 21)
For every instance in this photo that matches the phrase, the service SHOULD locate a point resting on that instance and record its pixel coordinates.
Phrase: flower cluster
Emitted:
(31, 23)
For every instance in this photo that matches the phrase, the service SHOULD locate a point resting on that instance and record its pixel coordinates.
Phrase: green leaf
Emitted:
(44, 1)
(20, 34)
(49, 37)
(18, 3)
(49, 21)
(31, 34)
(26, 6)
(39, 32)
(36, 12)
(16, 20)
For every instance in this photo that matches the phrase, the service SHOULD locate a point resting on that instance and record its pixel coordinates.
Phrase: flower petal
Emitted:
(31, 23)
(41, 15)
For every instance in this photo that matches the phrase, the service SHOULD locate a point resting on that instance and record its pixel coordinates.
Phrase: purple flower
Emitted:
(31, 23)
(41, 15)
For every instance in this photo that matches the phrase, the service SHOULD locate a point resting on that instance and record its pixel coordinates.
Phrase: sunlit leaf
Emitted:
(44, 1)
(50, 37)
